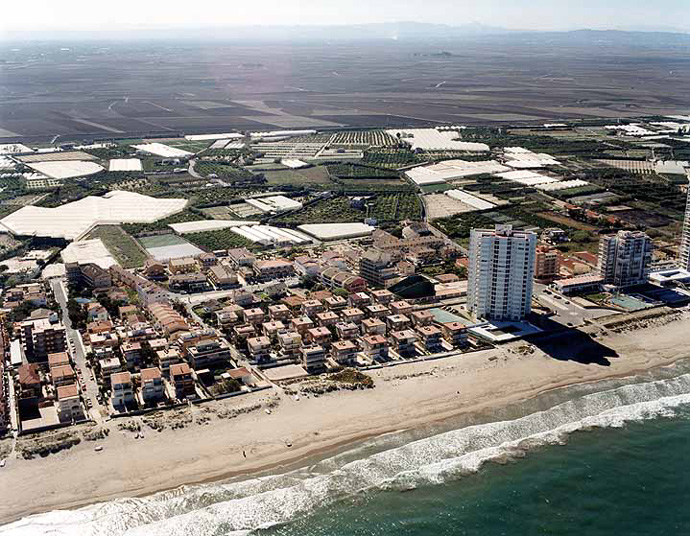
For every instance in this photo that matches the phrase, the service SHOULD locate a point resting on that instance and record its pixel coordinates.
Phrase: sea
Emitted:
(607, 458)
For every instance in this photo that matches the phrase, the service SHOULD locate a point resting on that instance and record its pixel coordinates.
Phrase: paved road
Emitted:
(567, 312)
(78, 352)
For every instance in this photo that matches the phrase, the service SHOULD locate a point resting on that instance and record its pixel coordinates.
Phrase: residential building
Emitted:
(346, 330)
(208, 351)
(404, 341)
(122, 390)
(182, 380)
(344, 351)
(383, 296)
(421, 318)
(254, 316)
(302, 324)
(546, 264)
(500, 273)
(335, 278)
(290, 343)
(221, 277)
(69, 406)
(319, 335)
(242, 332)
(373, 326)
(352, 314)
(153, 269)
(132, 353)
(166, 318)
(95, 312)
(398, 322)
(185, 265)
(91, 275)
(431, 337)
(378, 268)
(273, 269)
(166, 358)
(313, 358)
(375, 346)
(327, 318)
(312, 307)
(152, 389)
(272, 328)
(259, 349)
(279, 312)
(240, 257)
(41, 337)
(58, 359)
(63, 375)
(206, 260)
(401, 307)
(684, 251)
(455, 333)
(359, 299)
(376, 310)
(335, 303)
(188, 282)
(624, 258)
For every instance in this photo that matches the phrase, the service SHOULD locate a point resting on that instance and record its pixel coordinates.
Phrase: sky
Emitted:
(80, 15)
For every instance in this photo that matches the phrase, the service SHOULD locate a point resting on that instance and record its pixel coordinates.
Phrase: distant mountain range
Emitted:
(399, 31)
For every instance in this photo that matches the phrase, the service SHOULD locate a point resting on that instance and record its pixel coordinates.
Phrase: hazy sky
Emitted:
(518, 14)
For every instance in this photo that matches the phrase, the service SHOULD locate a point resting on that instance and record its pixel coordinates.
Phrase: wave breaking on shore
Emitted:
(242, 507)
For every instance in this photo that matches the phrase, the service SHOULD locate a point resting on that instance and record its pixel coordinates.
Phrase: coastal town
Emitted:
(144, 278)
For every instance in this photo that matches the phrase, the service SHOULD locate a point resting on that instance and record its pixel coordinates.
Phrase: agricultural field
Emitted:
(309, 177)
(221, 239)
(357, 171)
(136, 229)
(223, 171)
(368, 187)
(396, 207)
(384, 207)
(120, 245)
(369, 138)
(336, 210)
(392, 158)
(155, 164)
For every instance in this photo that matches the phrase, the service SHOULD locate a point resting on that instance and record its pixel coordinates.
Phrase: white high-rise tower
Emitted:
(500, 275)
(684, 252)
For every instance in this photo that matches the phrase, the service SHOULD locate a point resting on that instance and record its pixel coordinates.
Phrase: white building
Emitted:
(500, 275)
(684, 252)
(624, 258)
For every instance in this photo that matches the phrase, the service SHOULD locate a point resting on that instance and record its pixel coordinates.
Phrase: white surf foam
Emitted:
(240, 507)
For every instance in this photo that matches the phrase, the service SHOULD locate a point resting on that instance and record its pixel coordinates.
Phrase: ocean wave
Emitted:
(239, 508)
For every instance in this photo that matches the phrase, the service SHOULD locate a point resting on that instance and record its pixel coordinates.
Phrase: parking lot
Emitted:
(567, 311)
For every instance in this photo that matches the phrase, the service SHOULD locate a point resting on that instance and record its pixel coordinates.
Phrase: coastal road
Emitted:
(90, 392)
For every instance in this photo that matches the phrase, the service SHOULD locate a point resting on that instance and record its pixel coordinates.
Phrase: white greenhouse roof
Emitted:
(207, 225)
(209, 137)
(160, 149)
(72, 220)
(469, 199)
(335, 231)
(65, 169)
(452, 169)
(430, 139)
(125, 164)
(86, 251)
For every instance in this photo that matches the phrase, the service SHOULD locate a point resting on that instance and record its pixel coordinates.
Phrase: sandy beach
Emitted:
(213, 447)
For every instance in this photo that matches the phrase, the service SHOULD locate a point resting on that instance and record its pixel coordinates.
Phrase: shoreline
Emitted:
(408, 396)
